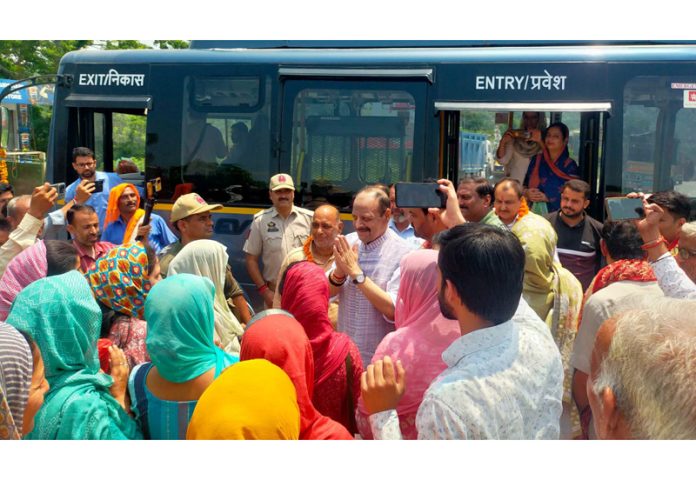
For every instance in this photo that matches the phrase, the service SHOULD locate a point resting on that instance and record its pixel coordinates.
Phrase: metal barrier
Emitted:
(26, 170)
(472, 154)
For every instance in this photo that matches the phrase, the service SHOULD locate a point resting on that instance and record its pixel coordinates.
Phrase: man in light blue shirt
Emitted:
(158, 233)
(85, 164)
(399, 222)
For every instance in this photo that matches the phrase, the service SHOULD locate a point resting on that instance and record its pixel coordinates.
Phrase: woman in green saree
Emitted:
(556, 296)
(63, 318)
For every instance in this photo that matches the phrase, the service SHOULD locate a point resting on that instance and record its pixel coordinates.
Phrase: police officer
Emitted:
(273, 233)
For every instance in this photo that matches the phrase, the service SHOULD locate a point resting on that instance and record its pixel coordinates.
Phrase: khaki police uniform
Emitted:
(271, 237)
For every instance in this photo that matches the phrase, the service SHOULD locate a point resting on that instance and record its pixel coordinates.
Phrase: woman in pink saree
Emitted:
(421, 335)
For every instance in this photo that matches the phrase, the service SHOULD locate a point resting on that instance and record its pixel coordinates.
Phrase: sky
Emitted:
(357, 19)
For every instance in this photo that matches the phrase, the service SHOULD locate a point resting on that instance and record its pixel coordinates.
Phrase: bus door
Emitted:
(472, 132)
(114, 128)
(340, 135)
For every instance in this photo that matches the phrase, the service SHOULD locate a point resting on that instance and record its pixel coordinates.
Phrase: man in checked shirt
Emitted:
(369, 258)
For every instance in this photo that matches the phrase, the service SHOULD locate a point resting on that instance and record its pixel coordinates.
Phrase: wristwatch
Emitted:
(359, 279)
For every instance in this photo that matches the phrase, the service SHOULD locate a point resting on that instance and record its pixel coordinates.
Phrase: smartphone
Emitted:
(60, 188)
(98, 186)
(521, 134)
(419, 195)
(624, 208)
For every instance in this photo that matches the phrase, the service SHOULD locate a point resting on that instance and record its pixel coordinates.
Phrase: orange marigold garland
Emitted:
(524, 209)
(3, 166)
(307, 249)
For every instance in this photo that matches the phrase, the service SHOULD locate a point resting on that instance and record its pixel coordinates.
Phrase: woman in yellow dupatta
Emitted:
(555, 295)
(251, 400)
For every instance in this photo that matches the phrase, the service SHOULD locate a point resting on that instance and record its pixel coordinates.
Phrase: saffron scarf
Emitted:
(113, 213)
(120, 281)
(563, 159)
(251, 400)
(306, 296)
(62, 317)
(27, 267)
(280, 339)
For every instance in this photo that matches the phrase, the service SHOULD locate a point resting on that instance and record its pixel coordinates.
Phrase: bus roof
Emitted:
(260, 44)
(391, 55)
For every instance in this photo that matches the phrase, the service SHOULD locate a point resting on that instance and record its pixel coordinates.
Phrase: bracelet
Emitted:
(338, 283)
(653, 243)
(262, 288)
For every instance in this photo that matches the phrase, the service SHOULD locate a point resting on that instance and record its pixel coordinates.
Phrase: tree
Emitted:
(124, 45)
(172, 44)
(25, 58)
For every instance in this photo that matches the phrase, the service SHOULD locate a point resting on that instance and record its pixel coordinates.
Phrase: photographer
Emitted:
(517, 148)
(85, 164)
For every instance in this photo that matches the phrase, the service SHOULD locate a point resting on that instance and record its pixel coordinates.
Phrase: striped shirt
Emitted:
(379, 260)
(16, 366)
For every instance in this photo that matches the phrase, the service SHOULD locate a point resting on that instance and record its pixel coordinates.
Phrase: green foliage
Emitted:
(124, 45)
(478, 122)
(129, 138)
(172, 44)
(25, 58)
(40, 117)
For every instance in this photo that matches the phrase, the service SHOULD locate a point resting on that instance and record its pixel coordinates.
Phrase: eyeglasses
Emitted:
(85, 165)
(685, 254)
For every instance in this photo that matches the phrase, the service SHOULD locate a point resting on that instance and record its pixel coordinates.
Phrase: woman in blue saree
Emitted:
(550, 169)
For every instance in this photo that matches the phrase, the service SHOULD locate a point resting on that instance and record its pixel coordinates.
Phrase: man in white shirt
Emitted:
(25, 214)
(614, 289)
(504, 377)
(367, 273)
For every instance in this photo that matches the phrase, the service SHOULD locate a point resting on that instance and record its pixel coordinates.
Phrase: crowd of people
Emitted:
(486, 319)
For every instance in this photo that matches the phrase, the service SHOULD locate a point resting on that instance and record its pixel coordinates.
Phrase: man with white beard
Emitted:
(400, 223)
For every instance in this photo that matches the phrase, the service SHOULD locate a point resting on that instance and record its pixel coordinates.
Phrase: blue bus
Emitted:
(223, 116)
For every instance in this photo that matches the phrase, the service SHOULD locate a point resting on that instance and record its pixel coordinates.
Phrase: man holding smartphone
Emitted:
(85, 164)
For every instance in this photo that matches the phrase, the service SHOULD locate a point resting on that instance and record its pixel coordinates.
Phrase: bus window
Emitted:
(343, 139)
(684, 170)
(659, 150)
(129, 139)
(640, 117)
(226, 139)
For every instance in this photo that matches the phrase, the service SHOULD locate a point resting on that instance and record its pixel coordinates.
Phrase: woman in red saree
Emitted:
(280, 339)
(337, 361)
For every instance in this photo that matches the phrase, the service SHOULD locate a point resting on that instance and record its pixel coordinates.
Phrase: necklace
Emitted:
(307, 249)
